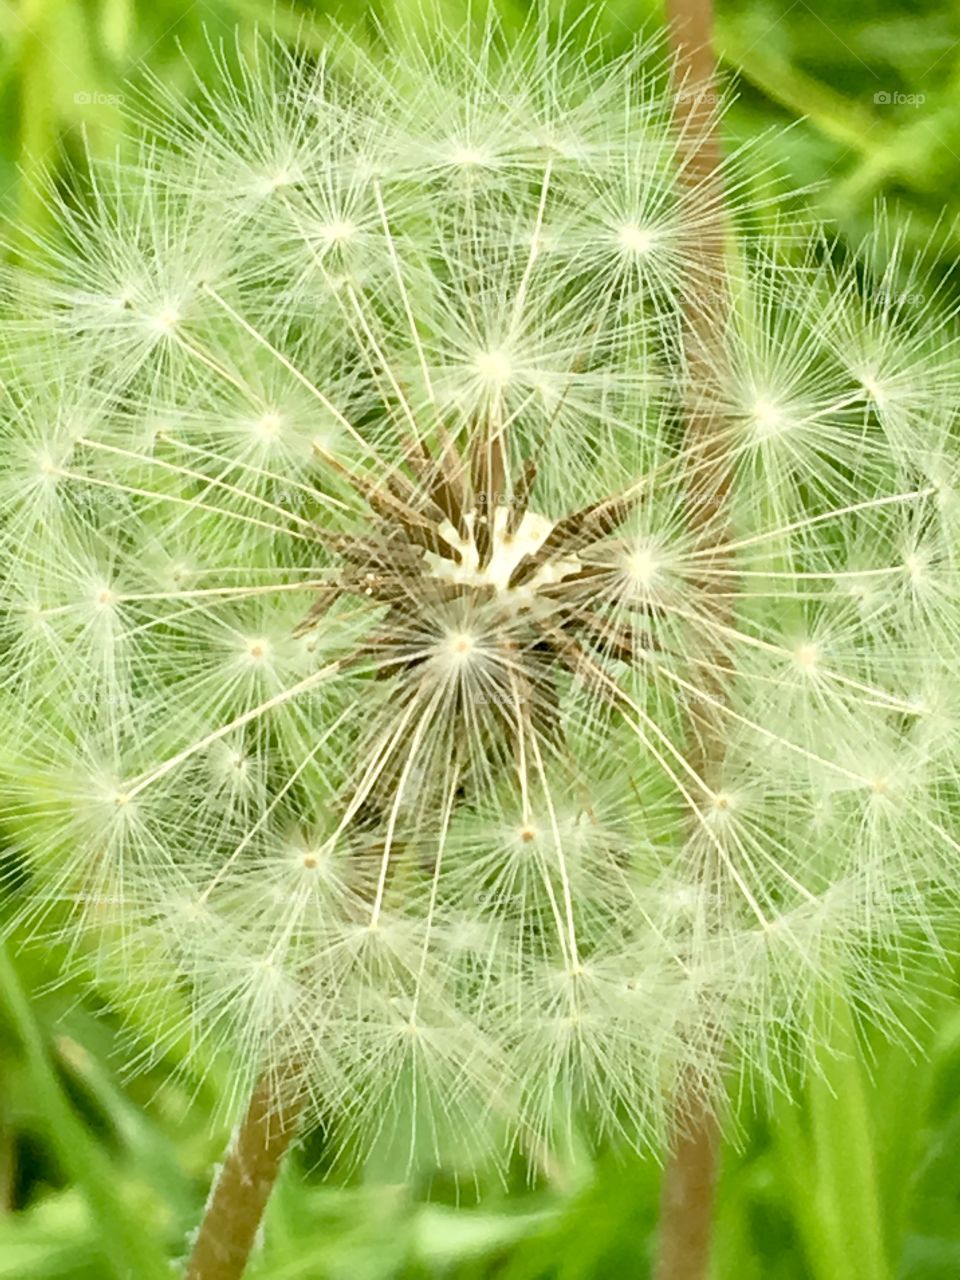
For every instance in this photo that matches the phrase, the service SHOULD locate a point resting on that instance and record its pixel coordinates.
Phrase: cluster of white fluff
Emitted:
(372, 677)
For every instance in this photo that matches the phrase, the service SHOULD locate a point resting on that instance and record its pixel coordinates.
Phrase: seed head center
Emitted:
(509, 546)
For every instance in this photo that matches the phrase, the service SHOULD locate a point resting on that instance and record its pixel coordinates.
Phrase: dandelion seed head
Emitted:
(398, 665)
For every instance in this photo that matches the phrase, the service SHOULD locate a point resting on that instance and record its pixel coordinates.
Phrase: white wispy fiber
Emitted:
(359, 633)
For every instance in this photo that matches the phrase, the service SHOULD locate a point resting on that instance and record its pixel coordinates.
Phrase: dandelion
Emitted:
(487, 747)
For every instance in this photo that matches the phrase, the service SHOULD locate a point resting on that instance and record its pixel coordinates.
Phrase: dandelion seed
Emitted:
(636, 240)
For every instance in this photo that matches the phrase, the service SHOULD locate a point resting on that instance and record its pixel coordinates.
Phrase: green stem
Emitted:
(847, 1189)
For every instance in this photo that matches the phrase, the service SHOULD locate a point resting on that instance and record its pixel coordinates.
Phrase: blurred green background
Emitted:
(102, 1173)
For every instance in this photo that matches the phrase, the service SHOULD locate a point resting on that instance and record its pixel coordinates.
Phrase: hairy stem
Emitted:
(686, 1205)
(686, 1208)
(239, 1197)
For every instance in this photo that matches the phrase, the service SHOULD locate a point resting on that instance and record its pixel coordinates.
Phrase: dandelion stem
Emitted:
(686, 1207)
(239, 1197)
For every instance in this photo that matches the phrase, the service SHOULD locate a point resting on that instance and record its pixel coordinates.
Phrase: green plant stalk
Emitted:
(830, 1167)
(834, 115)
(847, 1190)
(130, 1251)
(37, 124)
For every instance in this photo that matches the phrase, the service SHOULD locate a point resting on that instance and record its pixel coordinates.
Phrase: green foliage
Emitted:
(66, 71)
(865, 1164)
